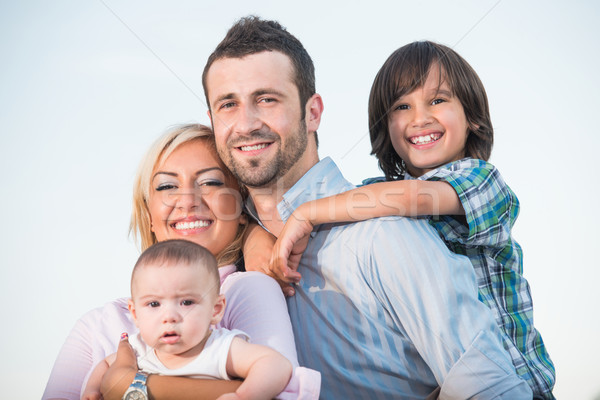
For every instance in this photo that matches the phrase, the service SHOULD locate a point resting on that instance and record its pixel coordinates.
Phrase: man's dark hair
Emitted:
(251, 35)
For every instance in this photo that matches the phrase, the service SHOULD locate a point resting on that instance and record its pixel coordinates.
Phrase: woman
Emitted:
(183, 190)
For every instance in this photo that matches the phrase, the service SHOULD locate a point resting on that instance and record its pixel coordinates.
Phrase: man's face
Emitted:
(257, 118)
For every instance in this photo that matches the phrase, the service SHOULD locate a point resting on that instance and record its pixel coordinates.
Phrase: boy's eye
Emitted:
(154, 304)
(187, 302)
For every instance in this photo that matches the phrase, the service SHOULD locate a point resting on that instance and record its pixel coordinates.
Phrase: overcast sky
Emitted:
(86, 86)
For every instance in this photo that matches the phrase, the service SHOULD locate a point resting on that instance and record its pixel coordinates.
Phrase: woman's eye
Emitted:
(211, 182)
(165, 186)
(187, 302)
(154, 304)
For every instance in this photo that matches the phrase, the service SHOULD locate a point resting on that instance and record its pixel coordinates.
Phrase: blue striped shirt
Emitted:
(385, 310)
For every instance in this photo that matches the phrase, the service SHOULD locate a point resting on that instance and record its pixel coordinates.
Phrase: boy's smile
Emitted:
(428, 127)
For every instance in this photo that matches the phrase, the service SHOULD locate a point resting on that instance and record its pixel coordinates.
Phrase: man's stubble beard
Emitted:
(260, 173)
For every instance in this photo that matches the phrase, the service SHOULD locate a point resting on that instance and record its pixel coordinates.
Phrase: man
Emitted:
(384, 310)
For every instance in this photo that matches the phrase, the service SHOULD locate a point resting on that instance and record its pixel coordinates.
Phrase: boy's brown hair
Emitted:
(406, 70)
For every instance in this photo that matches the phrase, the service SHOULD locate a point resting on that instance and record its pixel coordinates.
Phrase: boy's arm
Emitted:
(92, 388)
(407, 198)
(266, 373)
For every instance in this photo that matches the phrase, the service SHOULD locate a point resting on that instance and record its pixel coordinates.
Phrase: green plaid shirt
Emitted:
(491, 209)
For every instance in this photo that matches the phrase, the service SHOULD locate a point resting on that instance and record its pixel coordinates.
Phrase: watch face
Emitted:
(136, 395)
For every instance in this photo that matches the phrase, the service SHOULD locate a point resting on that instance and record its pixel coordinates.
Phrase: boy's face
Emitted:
(174, 306)
(428, 127)
(257, 118)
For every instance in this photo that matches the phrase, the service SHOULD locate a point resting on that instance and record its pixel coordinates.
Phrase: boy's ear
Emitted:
(131, 308)
(218, 310)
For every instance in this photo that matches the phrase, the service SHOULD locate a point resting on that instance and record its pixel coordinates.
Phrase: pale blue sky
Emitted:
(88, 85)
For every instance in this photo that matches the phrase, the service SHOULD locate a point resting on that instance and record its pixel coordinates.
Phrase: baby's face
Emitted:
(174, 306)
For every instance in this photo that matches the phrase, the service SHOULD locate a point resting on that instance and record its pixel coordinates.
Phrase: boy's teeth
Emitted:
(432, 137)
(254, 147)
(191, 225)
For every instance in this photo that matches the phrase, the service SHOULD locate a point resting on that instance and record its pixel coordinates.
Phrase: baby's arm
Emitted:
(408, 198)
(92, 388)
(266, 372)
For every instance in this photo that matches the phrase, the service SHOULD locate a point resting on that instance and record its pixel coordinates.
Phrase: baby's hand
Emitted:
(290, 245)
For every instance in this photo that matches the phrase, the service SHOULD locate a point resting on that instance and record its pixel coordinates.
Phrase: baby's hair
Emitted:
(406, 70)
(179, 252)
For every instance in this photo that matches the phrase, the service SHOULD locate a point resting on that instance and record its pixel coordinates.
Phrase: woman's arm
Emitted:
(257, 248)
(92, 388)
(120, 374)
(408, 198)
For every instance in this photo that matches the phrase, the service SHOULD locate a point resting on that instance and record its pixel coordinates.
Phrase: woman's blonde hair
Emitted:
(141, 225)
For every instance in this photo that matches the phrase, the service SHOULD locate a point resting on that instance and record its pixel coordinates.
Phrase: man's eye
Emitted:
(227, 105)
(154, 304)
(187, 302)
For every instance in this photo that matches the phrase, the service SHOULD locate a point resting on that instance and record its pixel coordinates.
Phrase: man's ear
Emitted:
(314, 110)
(218, 309)
(131, 308)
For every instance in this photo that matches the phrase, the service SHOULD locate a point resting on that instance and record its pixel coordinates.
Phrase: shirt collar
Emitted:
(322, 180)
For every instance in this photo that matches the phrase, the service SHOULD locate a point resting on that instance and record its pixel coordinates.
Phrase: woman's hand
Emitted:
(121, 373)
(290, 246)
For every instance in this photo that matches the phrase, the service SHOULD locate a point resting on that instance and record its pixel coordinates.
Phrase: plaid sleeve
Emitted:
(491, 207)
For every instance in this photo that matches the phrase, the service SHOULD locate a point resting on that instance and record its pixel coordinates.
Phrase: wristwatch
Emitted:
(137, 390)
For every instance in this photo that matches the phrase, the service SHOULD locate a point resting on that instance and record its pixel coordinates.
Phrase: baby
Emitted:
(174, 301)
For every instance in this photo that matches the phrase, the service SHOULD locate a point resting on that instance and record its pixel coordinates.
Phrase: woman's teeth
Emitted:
(192, 225)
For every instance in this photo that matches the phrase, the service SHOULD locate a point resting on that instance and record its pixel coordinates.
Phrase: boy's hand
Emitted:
(121, 373)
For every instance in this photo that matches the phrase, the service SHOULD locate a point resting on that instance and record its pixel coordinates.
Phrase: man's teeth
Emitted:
(254, 147)
(191, 225)
(432, 137)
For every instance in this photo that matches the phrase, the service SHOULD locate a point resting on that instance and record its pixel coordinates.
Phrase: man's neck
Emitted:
(266, 198)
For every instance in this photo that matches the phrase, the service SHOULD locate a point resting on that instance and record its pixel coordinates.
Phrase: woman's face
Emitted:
(193, 197)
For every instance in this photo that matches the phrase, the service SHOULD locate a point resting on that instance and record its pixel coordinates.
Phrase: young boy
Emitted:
(431, 131)
(174, 301)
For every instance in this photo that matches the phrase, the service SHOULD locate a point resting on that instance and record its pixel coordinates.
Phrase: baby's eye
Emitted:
(154, 304)
(187, 302)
